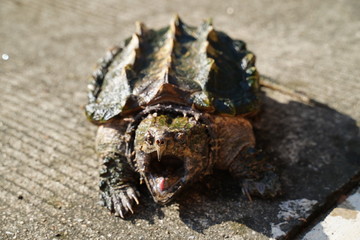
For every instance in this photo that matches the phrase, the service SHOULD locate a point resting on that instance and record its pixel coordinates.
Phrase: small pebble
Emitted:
(5, 57)
(230, 10)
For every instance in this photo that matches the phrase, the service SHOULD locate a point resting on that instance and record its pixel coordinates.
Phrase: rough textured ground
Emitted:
(48, 169)
(343, 222)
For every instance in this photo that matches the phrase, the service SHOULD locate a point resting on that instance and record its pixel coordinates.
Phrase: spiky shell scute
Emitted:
(178, 64)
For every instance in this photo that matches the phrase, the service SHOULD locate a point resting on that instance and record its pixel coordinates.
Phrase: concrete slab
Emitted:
(48, 169)
(343, 222)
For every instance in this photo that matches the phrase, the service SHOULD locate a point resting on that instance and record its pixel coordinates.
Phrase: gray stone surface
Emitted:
(48, 169)
(343, 222)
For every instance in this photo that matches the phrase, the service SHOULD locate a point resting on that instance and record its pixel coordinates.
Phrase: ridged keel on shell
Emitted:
(179, 64)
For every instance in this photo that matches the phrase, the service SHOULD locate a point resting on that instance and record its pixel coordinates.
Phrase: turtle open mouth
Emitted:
(165, 177)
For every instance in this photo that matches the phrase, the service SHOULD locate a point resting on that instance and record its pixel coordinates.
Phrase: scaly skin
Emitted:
(236, 152)
(117, 185)
(118, 179)
(231, 145)
(212, 77)
(170, 153)
(256, 175)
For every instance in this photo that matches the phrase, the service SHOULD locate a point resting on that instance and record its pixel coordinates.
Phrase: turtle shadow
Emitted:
(315, 149)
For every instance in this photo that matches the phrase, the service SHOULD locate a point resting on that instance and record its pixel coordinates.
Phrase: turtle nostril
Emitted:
(160, 142)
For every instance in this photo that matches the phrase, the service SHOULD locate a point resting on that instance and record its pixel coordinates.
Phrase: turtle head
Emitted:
(170, 152)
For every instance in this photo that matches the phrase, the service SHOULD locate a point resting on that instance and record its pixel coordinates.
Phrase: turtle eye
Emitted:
(180, 137)
(149, 138)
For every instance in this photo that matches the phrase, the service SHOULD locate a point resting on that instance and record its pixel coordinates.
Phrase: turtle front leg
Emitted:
(118, 178)
(257, 177)
(117, 185)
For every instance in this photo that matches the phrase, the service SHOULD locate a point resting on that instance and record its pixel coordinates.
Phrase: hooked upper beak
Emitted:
(160, 146)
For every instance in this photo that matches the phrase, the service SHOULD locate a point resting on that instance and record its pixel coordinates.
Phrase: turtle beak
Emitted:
(160, 146)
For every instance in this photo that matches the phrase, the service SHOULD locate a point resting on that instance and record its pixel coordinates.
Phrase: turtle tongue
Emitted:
(161, 183)
(164, 183)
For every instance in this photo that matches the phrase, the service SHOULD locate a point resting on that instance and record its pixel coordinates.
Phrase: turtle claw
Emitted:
(245, 190)
(120, 201)
(118, 211)
(133, 194)
(268, 186)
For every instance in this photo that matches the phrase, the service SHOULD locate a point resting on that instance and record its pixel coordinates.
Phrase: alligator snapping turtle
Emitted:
(171, 105)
